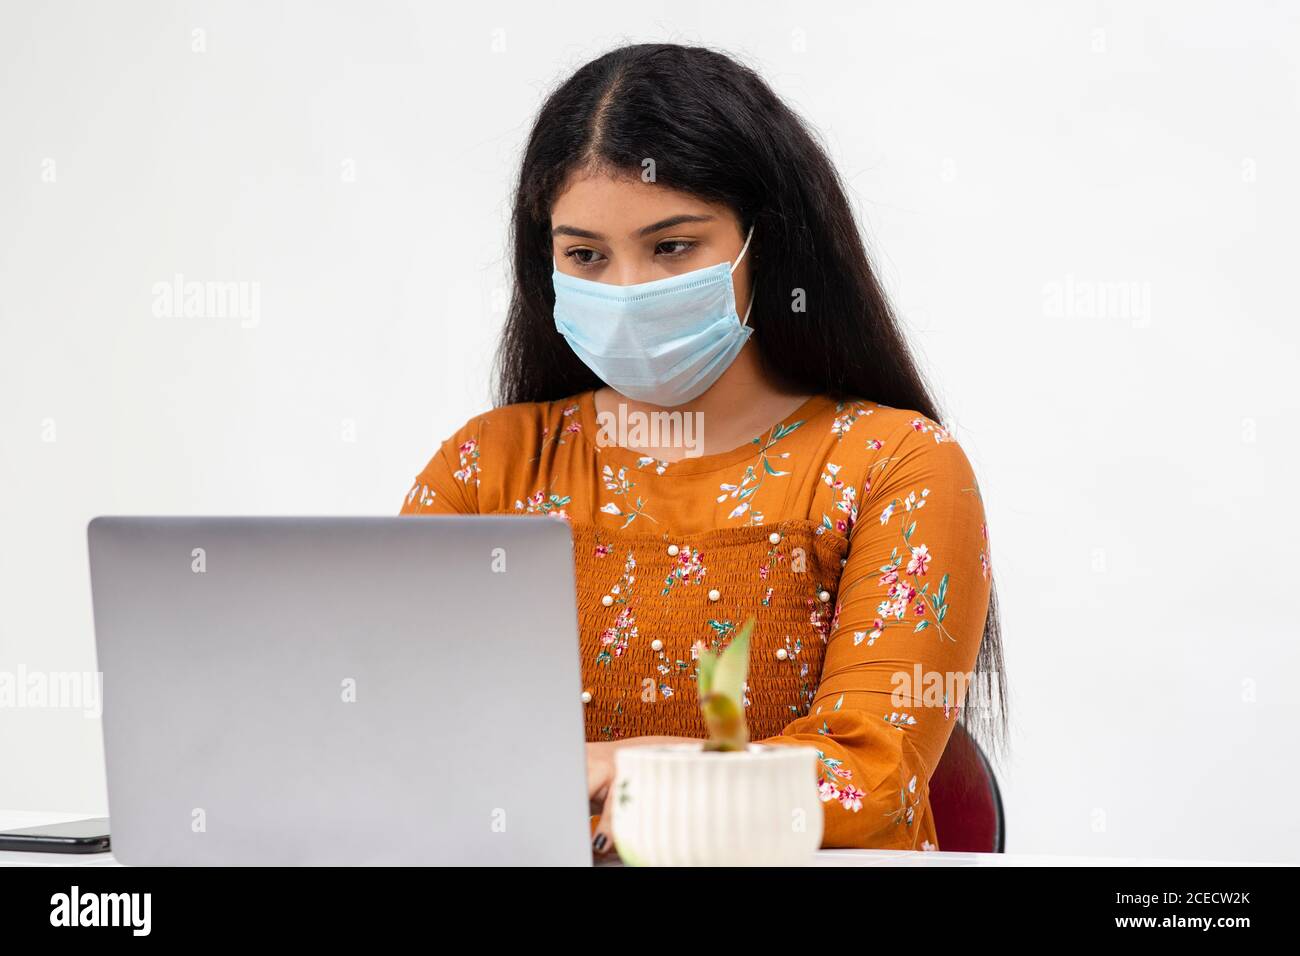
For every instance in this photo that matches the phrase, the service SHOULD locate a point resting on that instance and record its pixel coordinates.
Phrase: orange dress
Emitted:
(853, 533)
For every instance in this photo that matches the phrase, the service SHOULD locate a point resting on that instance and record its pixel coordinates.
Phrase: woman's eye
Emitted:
(674, 247)
(584, 257)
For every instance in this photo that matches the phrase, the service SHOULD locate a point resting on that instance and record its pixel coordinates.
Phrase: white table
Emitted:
(16, 819)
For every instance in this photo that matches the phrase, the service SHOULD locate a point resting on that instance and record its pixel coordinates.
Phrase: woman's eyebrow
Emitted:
(563, 230)
(673, 221)
(575, 231)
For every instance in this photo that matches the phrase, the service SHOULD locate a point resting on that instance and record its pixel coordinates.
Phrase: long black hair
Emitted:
(713, 128)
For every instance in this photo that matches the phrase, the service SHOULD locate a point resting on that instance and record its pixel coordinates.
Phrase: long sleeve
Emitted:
(909, 618)
(449, 482)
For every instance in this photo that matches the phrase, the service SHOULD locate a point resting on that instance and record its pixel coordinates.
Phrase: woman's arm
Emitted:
(909, 619)
(449, 482)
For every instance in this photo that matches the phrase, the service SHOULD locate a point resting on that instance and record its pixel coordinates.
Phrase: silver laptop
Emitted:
(320, 691)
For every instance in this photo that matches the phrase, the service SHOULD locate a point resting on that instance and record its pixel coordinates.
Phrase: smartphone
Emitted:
(76, 836)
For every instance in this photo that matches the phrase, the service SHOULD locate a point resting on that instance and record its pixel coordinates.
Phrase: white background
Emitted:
(355, 160)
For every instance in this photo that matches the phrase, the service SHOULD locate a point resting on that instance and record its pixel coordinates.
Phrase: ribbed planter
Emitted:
(679, 805)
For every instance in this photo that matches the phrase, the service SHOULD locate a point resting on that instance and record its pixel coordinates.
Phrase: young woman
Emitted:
(682, 244)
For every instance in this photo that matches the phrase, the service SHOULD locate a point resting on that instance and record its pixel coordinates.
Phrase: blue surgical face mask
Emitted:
(664, 342)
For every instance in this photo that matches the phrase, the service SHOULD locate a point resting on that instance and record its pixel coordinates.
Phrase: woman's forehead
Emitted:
(620, 204)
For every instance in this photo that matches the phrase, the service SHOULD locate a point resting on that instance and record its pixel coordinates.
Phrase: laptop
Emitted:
(340, 691)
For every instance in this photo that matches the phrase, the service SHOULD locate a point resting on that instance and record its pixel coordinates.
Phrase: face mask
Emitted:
(663, 342)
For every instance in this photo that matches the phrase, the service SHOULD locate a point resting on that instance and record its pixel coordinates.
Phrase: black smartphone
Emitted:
(76, 836)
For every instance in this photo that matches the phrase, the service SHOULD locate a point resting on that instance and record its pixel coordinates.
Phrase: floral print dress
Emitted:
(853, 532)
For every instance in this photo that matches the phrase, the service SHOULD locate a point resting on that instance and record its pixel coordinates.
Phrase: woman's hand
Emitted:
(600, 781)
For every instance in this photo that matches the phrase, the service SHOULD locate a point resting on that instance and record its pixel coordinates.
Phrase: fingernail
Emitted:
(599, 843)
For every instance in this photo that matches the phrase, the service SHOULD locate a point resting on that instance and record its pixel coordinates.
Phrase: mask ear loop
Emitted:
(748, 236)
(750, 307)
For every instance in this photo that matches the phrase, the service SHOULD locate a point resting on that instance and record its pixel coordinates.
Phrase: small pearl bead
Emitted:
(824, 596)
(673, 550)
(714, 594)
(656, 645)
(607, 600)
(781, 653)
(774, 538)
(586, 697)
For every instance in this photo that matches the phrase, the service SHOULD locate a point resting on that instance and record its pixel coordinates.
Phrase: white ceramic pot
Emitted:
(679, 805)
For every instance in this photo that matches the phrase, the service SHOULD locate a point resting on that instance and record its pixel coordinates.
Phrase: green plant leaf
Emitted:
(733, 665)
(707, 662)
(721, 689)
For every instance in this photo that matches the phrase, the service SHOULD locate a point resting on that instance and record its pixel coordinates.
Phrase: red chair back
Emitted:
(965, 799)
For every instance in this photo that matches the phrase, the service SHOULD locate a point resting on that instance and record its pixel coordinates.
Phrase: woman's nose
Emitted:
(633, 273)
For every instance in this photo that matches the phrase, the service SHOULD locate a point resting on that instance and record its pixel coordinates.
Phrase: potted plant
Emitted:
(723, 801)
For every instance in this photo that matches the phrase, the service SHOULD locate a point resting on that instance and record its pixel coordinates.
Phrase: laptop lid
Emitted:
(287, 691)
